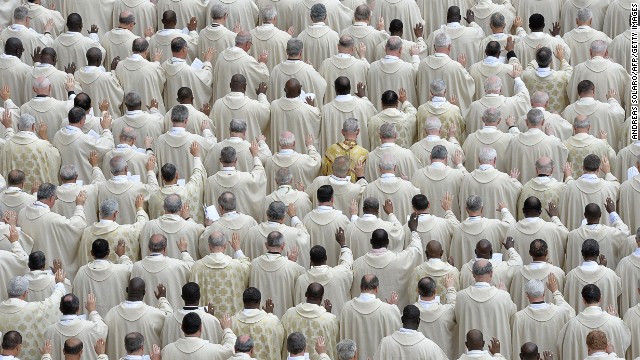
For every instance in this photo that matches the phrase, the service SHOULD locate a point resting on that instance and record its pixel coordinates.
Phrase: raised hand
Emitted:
(70, 68)
(100, 347)
(552, 283)
(360, 90)
(193, 24)
(327, 305)
(208, 54)
(160, 292)
(121, 248)
(194, 149)
(605, 166)
(268, 306)
(552, 209)
(446, 201)
(418, 30)
(494, 346)
(559, 53)
(555, 30)
(462, 59)
(470, 16)
(292, 254)
(5, 93)
(90, 305)
(413, 222)
(509, 243)
(340, 238)
(393, 300)
(235, 241)
(321, 345)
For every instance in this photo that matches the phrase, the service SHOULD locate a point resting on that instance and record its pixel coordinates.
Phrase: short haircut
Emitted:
(191, 323)
(268, 13)
(591, 162)
(535, 117)
(346, 349)
(441, 40)
(76, 115)
(497, 20)
(318, 254)
(370, 204)
(491, 115)
(20, 13)
(228, 155)
(534, 288)
(227, 201)
(108, 207)
(438, 87)
(275, 239)
(590, 248)
(597, 340)
(294, 47)
(350, 125)
(168, 172)
(420, 202)
(26, 122)
(217, 239)
(158, 245)
(474, 203)
(325, 193)
(478, 270)
(538, 248)
(69, 304)
(244, 346)
(591, 294)
(37, 260)
(218, 11)
(439, 152)
(177, 44)
(584, 15)
(585, 86)
(318, 12)
(179, 114)
(371, 284)
(11, 340)
(100, 248)
(296, 343)
(132, 100)
(45, 191)
(389, 98)
(276, 210)
(172, 204)
(139, 45)
(487, 154)
(68, 173)
(17, 286)
(238, 126)
(133, 342)
(387, 131)
(544, 55)
(126, 18)
(72, 350)
(251, 295)
(427, 287)
(362, 13)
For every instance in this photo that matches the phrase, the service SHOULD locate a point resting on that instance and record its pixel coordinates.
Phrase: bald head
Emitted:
(434, 250)
(292, 88)
(136, 289)
(529, 351)
(474, 340)
(484, 249)
(544, 166)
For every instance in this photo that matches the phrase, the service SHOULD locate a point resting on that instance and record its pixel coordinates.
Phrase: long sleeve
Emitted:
(227, 345)
(506, 217)
(101, 329)
(152, 183)
(78, 219)
(97, 176)
(346, 258)
(514, 260)
(104, 143)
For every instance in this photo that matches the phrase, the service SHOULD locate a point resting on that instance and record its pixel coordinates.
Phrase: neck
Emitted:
(387, 141)
(389, 106)
(171, 182)
(314, 301)
(544, 106)
(251, 306)
(112, 218)
(135, 298)
(393, 53)
(428, 298)
(590, 259)
(374, 213)
(137, 353)
(179, 55)
(325, 204)
(169, 26)
(530, 215)
(533, 300)
(134, 108)
(318, 263)
(474, 213)
(14, 353)
(120, 173)
(539, 258)
(179, 124)
(497, 31)
(486, 279)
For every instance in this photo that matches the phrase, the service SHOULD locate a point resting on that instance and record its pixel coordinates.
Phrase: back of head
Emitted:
(532, 205)
(13, 46)
(387, 131)
(487, 155)
(275, 239)
(318, 255)
(107, 208)
(534, 288)
(538, 248)
(296, 343)
(228, 155)
(20, 14)
(179, 114)
(69, 304)
(219, 11)
(244, 344)
(491, 116)
(315, 292)
(276, 211)
(482, 267)
(493, 48)
(536, 23)
(268, 13)
(394, 43)
(217, 239)
(68, 173)
(72, 346)
(251, 296)
(325, 193)
(584, 16)
(497, 21)
(597, 340)
(492, 85)
(438, 87)
(539, 99)
(46, 191)
(346, 349)
(126, 18)
(342, 85)
(591, 163)
(410, 317)
(172, 204)
(168, 172)
(370, 205)
(185, 95)
(379, 239)
(11, 340)
(581, 123)
(474, 340)
(238, 126)
(133, 101)
(362, 13)
(15, 177)
(441, 41)
(544, 165)
(139, 45)
(191, 324)
(238, 83)
(169, 17)
(529, 351)
(294, 47)
(420, 202)
(17, 286)
(26, 122)
(157, 243)
(453, 14)
(591, 294)
(37, 261)
(369, 283)
(76, 115)
(427, 287)
(389, 98)
(590, 249)
(178, 44)
(340, 166)
(82, 101)
(474, 203)
(227, 201)
(283, 177)
(118, 165)
(100, 248)
(598, 48)
(318, 13)
(74, 22)
(133, 342)
(544, 56)
(395, 27)
(585, 87)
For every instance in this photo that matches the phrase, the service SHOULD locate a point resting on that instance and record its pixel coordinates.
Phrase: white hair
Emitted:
(487, 155)
(17, 286)
(534, 288)
(491, 115)
(539, 97)
(598, 47)
(492, 84)
(387, 163)
(26, 122)
(438, 87)
(584, 15)
(432, 123)
(286, 139)
(268, 13)
(442, 40)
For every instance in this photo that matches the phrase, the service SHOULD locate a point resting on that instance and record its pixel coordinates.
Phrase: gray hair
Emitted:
(243, 37)
(228, 155)
(371, 203)
(340, 166)
(581, 124)
(287, 139)
(217, 239)
(244, 346)
(535, 117)
(539, 97)
(46, 191)
(478, 270)
(128, 134)
(442, 40)
(68, 172)
(108, 207)
(584, 15)
(275, 239)
(544, 168)
(26, 122)
(296, 343)
(350, 125)
(497, 20)
(20, 13)
(387, 131)
(346, 349)
(126, 18)
(179, 114)
(534, 288)
(431, 123)
(474, 203)
(394, 43)
(283, 177)
(276, 210)
(439, 152)
(268, 13)
(387, 163)
(294, 47)
(117, 164)
(491, 116)
(487, 154)
(218, 11)
(17, 286)
(133, 342)
(41, 82)
(362, 13)
(598, 47)
(438, 87)
(227, 201)
(346, 42)
(132, 99)
(492, 84)
(172, 203)
(238, 126)
(158, 246)
(318, 13)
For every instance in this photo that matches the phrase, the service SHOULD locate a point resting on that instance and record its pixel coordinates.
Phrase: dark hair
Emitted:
(191, 323)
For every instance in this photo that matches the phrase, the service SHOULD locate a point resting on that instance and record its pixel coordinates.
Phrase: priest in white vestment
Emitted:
(503, 271)
(367, 319)
(588, 188)
(98, 14)
(441, 66)
(489, 136)
(626, 269)
(358, 232)
(561, 128)
(276, 274)
(505, 188)
(474, 343)
(598, 69)
(626, 159)
(397, 110)
(632, 319)
(343, 63)
(476, 226)
(432, 226)
(541, 321)
(14, 262)
(194, 347)
(46, 109)
(137, 74)
(236, 60)
(571, 344)
(593, 270)
(118, 41)
(303, 167)
(407, 11)
(607, 116)
(336, 280)
(268, 37)
(286, 193)
(185, 97)
(438, 106)
(620, 49)
(100, 83)
(123, 189)
(482, 10)
(13, 71)
(135, 157)
(254, 321)
(544, 186)
(105, 279)
(161, 40)
(408, 341)
(147, 124)
(72, 46)
(15, 197)
(237, 105)
(406, 162)
(464, 39)
(363, 33)
(313, 318)
(527, 48)
(494, 305)
(344, 188)
(55, 235)
(338, 15)
(73, 325)
(393, 269)
(391, 73)
(145, 15)
(211, 330)
(318, 38)
(41, 281)
(431, 130)
(214, 35)
(175, 223)
(497, 24)
(492, 64)
(20, 29)
(157, 268)
(134, 318)
(248, 187)
(580, 38)
(31, 318)
(437, 320)
(107, 228)
(180, 74)
(221, 277)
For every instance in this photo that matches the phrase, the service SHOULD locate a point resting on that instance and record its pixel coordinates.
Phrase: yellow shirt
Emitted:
(347, 148)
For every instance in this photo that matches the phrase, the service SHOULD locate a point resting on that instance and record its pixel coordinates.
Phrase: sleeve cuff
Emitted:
(295, 220)
(354, 218)
(238, 254)
(613, 217)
